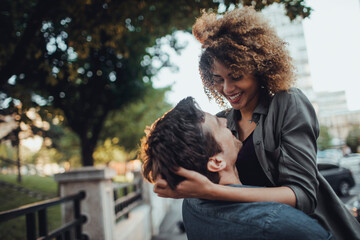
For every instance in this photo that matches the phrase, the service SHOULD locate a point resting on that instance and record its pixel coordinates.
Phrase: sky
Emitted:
(332, 37)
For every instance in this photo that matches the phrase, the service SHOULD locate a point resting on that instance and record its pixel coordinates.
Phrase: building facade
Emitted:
(292, 32)
(340, 123)
(331, 107)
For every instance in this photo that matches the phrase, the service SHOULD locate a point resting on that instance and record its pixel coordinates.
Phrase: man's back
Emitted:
(205, 219)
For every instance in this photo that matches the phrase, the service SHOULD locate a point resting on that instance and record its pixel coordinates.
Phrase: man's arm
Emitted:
(198, 186)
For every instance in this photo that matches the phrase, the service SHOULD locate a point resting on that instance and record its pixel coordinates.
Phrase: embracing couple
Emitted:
(250, 171)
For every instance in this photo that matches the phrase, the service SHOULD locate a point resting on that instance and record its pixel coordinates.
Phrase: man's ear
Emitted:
(216, 164)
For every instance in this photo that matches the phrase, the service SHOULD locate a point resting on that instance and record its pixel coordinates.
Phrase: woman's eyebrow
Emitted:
(215, 75)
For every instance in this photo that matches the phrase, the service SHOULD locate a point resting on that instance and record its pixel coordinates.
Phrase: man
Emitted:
(189, 138)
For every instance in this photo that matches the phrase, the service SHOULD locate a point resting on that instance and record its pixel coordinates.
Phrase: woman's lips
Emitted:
(234, 98)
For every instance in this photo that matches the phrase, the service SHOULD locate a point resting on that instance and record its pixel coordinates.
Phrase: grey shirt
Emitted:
(285, 145)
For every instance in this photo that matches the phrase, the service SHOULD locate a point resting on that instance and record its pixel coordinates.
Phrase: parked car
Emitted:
(354, 206)
(351, 161)
(329, 156)
(339, 178)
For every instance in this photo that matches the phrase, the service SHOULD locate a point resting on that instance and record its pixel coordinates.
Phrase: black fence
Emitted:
(126, 197)
(71, 230)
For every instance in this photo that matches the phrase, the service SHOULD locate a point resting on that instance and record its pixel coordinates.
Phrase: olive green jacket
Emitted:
(285, 144)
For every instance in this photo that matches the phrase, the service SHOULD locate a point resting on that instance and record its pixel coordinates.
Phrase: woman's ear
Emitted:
(216, 164)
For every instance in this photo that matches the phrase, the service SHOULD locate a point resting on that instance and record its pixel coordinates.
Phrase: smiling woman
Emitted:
(254, 49)
(241, 91)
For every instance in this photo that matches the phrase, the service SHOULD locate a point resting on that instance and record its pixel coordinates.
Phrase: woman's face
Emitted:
(241, 92)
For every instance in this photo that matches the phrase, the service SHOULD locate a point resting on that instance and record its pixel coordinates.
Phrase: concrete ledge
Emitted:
(136, 227)
(98, 204)
(85, 174)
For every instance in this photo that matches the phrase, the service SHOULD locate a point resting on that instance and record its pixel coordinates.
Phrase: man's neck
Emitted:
(229, 177)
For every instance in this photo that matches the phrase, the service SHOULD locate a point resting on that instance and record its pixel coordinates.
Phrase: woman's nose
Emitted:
(228, 86)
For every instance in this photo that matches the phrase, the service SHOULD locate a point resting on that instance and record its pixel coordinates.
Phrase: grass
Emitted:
(15, 229)
(44, 185)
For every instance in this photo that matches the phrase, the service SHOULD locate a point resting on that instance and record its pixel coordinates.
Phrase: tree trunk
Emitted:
(88, 143)
(87, 150)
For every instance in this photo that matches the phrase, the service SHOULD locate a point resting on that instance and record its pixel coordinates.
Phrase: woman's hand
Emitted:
(198, 186)
(195, 185)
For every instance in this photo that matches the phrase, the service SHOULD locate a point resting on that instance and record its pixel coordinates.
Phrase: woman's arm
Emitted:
(296, 165)
(198, 186)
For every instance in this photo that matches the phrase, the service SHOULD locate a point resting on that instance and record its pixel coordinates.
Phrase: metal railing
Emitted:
(126, 197)
(40, 208)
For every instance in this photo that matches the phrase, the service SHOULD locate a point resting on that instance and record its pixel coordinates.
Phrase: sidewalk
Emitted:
(169, 229)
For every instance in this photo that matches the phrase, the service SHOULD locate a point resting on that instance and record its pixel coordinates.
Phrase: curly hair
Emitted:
(177, 139)
(243, 41)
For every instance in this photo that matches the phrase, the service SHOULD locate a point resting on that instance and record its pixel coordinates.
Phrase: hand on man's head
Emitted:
(195, 185)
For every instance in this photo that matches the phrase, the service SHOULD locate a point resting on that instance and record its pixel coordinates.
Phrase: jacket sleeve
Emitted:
(297, 163)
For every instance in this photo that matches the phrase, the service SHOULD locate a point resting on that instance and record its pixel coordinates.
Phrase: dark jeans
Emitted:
(216, 220)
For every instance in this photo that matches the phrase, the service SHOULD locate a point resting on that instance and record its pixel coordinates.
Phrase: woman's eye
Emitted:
(238, 78)
(218, 81)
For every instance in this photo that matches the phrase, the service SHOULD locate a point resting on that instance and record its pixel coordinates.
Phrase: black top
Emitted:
(248, 165)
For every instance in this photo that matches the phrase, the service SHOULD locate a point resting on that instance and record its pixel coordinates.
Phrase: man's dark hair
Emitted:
(177, 139)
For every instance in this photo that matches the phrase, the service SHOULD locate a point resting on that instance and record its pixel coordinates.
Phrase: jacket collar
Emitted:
(263, 105)
(234, 115)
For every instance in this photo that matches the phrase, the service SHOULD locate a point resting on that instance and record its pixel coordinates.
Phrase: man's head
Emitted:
(189, 138)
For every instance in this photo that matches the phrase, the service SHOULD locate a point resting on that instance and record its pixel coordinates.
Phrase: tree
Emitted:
(124, 128)
(84, 59)
(324, 140)
(353, 139)
(64, 148)
(127, 125)
(17, 125)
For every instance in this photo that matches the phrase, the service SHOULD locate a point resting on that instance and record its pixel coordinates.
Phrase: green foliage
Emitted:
(7, 156)
(109, 151)
(293, 8)
(85, 59)
(64, 149)
(353, 139)
(127, 125)
(124, 128)
(324, 140)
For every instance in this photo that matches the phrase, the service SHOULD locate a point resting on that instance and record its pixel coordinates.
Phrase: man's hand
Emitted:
(195, 185)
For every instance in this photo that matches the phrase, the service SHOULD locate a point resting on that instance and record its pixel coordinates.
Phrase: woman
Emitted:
(246, 63)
